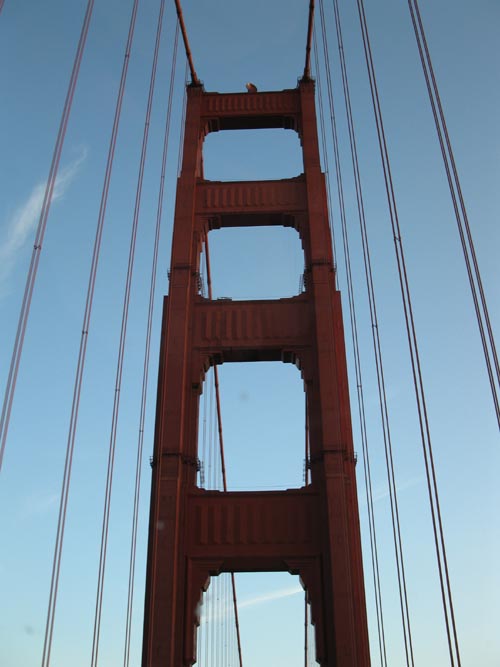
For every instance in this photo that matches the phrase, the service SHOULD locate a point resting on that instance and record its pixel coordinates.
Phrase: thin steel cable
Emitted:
(307, 443)
(222, 612)
(156, 470)
(427, 450)
(218, 628)
(326, 161)
(342, 509)
(183, 123)
(355, 337)
(399, 553)
(454, 183)
(222, 660)
(207, 628)
(211, 452)
(199, 639)
(214, 621)
(142, 417)
(121, 352)
(49, 628)
(228, 623)
(466, 240)
(306, 482)
(306, 632)
(40, 234)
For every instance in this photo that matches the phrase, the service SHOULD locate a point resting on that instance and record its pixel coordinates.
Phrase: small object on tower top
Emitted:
(251, 87)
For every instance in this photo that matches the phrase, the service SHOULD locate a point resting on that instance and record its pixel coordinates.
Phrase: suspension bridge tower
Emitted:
(312, 531)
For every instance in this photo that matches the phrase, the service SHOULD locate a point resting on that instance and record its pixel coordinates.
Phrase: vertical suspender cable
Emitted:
(373, 543)
(399, 554)
(207, 636)
(142, 417)
(326, 162)
(306, 629)
(183, 124)
(307, 452)
(223, 463)
(397, 538)
(40, 233)
(357, 363)
(121, 349)
(306, 483)
(476, 285)
(354, 332)
(81, 356)
(427, 450)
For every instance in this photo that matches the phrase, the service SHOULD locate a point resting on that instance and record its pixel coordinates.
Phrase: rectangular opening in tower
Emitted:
(275, 628)
(256, 263)
(263, 424)
(242, 155)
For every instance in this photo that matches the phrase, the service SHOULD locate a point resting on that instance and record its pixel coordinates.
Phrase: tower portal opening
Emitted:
(274, 627)
(263, 420)
(256, 262)
(240, 155)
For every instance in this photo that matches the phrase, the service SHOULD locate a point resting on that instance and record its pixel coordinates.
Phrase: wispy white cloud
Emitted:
(22, 223)
(409, 483)
(38, 505)
(254, 601)
(271, 596)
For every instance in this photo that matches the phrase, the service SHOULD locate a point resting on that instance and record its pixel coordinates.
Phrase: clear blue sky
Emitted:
(232, 43)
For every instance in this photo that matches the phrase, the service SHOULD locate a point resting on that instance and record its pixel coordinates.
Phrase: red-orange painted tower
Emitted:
(312, 531)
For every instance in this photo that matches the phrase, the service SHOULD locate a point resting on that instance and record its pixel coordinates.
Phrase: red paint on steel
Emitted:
(312, 531)
(39, 238)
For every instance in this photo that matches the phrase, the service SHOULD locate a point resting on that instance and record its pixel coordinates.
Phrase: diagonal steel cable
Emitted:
(121, 348)
(49, 628)
(133, 544)
(427, 448)
(40, 234)
(464, 230)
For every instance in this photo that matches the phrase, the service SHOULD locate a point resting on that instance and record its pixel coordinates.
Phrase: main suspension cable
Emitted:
(310, 26)
(40, 234)
(49, 628)
(194, 77)
(355, 341)
(121, 348)
(145, 376)
(466, 240)
(427, 450)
